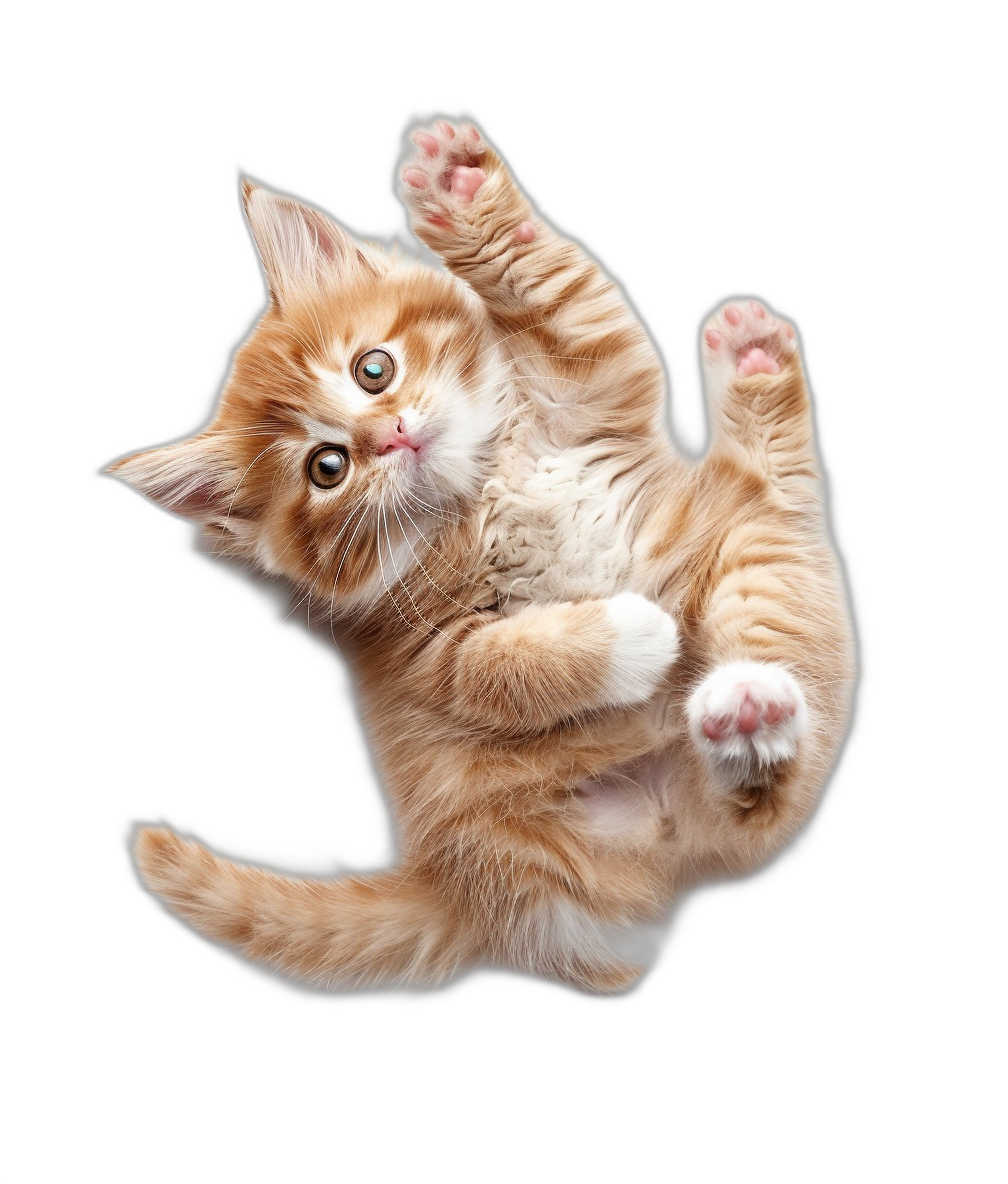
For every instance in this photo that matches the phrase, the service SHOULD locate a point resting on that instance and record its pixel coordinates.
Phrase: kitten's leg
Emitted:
(558, 316)
(773, 624)
(553, 662)
(465, 205)
(758, 398)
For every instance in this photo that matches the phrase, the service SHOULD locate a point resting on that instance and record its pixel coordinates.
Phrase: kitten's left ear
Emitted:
(300, 248)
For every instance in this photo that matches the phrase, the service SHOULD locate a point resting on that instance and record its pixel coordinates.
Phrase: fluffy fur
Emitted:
(590, 669)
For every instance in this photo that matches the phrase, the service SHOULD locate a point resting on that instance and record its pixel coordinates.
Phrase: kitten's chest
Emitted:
(555, 526)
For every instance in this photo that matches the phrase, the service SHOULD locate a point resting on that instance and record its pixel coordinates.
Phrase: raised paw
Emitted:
(451, 166)
(744, 339)
(748, 715)
(444, 173)
(646, 645)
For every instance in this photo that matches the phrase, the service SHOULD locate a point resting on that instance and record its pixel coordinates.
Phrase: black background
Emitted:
(207, 712)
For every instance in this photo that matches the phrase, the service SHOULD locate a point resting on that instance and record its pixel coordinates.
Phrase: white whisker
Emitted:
(500, 340)
(346, 552)
(554, 378)
(381, 567)
(447, 512)
(419, 561)
(234, 493)
(399, 578)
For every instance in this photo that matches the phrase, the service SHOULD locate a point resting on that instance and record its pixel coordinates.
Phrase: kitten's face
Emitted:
(359, 413)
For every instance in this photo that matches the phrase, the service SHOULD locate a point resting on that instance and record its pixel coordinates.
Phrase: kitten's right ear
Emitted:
(299, 247)
(191, 478)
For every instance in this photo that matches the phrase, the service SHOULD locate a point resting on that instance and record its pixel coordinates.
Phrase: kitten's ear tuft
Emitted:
(301, 249)
(190, 478)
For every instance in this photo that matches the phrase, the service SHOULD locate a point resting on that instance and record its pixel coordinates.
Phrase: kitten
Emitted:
(591, 670)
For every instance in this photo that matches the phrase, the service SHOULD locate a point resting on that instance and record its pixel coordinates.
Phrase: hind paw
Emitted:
(744, 339)
(745, 715)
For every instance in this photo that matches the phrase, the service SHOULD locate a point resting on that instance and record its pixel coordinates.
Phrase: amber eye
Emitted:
(328, 466)
(374, 371)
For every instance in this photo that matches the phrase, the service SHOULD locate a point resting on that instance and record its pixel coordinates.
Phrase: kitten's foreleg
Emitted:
(550, 663)
(562, 321)
(464, 204)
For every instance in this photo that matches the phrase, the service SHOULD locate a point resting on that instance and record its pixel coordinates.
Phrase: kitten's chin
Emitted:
(415, 474)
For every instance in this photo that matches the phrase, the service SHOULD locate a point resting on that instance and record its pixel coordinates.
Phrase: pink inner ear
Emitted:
(200, 499)
(203, 502)
(186, 478)
(329, 244)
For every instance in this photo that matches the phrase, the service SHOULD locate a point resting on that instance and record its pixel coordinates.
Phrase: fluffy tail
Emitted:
(390, 927)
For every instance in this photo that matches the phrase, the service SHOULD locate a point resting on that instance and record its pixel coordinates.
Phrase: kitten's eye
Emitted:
(328, 466)
(374, 371)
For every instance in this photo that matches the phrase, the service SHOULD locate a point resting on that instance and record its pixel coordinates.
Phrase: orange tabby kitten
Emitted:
(591, 670)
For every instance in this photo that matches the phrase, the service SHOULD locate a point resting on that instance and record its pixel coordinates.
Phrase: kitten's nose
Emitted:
(398, 437)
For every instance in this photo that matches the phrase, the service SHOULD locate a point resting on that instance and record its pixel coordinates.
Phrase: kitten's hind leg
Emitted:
(745, 339)
(759, 404)
(770, 704)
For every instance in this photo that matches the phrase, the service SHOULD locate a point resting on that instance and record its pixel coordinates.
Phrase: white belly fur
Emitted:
(554, 526)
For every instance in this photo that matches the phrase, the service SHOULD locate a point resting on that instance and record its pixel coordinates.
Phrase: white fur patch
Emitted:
(555, 523)
(647, 643)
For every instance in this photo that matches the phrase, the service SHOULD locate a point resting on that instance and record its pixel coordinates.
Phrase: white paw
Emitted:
(748, 714)
(646, 645)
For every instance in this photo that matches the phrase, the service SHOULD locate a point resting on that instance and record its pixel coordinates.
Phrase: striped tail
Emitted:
(384, 928)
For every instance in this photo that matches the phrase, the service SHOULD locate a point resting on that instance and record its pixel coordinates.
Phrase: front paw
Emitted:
(444, 174)
(747, 716)
(645, 646)
(460, 195)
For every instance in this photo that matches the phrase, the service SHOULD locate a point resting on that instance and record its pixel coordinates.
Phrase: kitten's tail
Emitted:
(389, 927)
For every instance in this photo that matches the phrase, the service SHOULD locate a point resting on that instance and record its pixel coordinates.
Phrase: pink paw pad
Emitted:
(749, 339)
(464, 182)
(748, 713)
(747, 718)
(445, 174)
(756, 361)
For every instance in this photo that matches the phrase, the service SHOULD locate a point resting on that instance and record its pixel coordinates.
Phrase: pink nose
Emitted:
(397, 437)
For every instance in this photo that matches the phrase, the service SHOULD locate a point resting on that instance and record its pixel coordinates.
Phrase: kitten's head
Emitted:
(364, 404)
